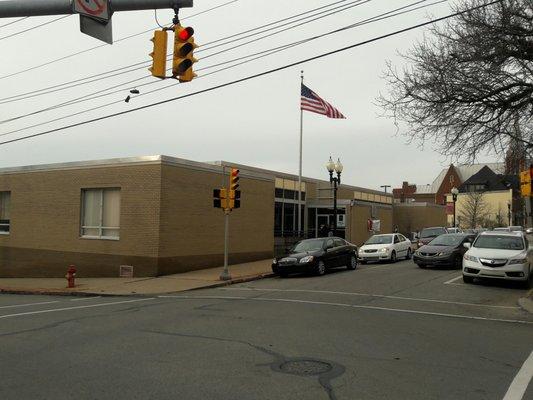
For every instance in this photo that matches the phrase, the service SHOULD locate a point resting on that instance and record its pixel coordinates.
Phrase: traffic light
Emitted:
(525, 182)
(159, 55)
(234, 199)
(183, 60)
(234, 179)
(220, 198)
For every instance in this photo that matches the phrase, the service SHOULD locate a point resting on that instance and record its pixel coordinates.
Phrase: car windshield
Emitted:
(380, 239)
(499, 242)
(447, 240)
(308, 245)
(432, 232)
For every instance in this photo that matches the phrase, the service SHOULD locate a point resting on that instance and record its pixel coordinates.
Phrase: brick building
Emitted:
(156, 214)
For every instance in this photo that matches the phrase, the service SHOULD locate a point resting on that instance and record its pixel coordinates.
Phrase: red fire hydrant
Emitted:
(71, 276)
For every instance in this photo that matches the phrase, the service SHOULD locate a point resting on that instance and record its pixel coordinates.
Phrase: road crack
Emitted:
(324, 379)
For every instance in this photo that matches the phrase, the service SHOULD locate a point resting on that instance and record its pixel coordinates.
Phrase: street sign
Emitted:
(93, 8)
(98, 29)
(95, 19)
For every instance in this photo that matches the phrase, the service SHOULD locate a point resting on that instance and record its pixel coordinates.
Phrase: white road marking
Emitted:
(372, 295)
(521, 381)
(74, 308)
(30, 304)
(86, 298)
(453, 280)
(399, 310)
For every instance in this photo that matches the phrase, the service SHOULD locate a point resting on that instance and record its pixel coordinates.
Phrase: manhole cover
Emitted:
(305, 367)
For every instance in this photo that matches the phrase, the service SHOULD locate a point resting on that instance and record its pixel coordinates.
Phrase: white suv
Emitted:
(500, 255)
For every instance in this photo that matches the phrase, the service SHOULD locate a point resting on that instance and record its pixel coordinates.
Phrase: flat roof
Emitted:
(162, 159)
(294, 177)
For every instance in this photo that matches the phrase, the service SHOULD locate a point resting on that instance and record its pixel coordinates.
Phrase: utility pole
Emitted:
(385, 187)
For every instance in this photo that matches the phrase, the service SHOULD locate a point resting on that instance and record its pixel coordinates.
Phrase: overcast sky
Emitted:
(254, 123)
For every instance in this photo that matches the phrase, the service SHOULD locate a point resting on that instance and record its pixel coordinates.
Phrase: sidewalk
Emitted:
(146, 286)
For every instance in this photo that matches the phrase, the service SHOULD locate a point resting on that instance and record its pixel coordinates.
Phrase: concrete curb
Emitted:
(58, 292)
(52, 292)
(235, 281)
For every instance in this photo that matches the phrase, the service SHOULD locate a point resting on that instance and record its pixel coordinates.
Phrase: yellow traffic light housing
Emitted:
(220, 198)
(234, 200)
(234, 179)
(159, 55)
(183, 59)
(525, 182)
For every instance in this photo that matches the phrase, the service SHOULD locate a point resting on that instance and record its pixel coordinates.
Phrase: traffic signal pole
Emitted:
(32, 8)
(225, 275)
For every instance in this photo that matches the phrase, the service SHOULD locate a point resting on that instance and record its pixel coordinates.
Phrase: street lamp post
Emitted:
(334, 167)
(455, 192)
(509, 212)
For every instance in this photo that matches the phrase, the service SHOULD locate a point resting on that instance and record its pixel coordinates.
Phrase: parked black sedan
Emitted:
(315, 256)
(444, 250)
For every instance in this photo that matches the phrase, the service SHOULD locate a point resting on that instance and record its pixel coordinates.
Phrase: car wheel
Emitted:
(422, 265)
(283, 274)
(458, 262)
(468, 279)
(320, 268)
(352, 262)
(393, 258)
(363, 261)
(408, 257)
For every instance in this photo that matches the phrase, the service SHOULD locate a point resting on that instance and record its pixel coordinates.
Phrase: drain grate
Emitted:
(305, 367)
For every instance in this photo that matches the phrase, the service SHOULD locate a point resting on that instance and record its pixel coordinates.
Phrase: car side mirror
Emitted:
(529, 230)
(467, 245)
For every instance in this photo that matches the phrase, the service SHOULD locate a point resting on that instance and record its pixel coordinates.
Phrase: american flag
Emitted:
(312, 102)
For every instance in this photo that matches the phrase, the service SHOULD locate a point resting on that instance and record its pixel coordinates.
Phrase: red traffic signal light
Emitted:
(183, 58)
(186, 33)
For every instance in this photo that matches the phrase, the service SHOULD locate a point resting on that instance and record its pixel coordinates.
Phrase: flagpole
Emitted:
(300, 165)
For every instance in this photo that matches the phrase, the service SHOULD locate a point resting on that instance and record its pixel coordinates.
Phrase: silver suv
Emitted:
(498, 255)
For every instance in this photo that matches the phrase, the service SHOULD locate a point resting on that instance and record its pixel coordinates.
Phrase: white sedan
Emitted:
(387, 247)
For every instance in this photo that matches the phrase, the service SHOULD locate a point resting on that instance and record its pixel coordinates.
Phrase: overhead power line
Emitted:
(250, 57)
(145, 64)
(13, 22)
(254, 76)
(104, 45)
(33, 27)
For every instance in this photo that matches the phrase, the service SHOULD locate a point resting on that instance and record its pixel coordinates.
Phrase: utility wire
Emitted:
(145, 64)
(13, 22)
(250, 77)
(95, 94)
(34, 27)
(104, 45)
(248, 58)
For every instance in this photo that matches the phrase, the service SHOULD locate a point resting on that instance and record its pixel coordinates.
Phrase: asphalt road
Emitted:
(390, 331)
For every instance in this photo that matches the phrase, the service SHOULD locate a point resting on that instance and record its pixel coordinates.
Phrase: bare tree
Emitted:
(474, 210)
(500, 217)
(469, 83)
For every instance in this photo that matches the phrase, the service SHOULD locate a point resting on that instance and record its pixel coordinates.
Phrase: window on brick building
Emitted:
(100, 213)
(5, 205)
